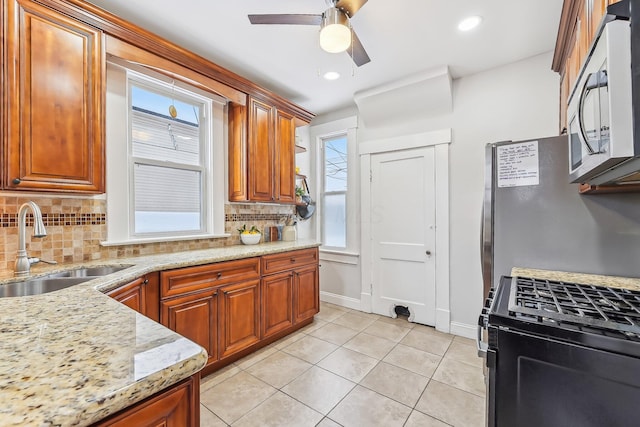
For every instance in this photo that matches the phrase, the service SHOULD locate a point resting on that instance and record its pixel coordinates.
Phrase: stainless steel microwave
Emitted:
(600, 112)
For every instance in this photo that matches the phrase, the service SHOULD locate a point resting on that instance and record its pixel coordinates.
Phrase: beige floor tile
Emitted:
(289, 339)
(255, 357)
(397, 321)
(414, 360)
(349, 364)
(236, 396)
(418, 419)
(365, 315)
(465, 341)
(387, 330)
(432, 331)
(324, 304)
(319, 389)
(316, 324)
(464, 353)
(333, 333)
(363, 407)
(310, 349)
(209, 419)
(217, 377)
(452, 405)
(461, 375)
(328, 422)
(329, 314)
(396, 383)
(429, 342)
(280, 410)
(370, 345)
(353, 321)
(279, 369)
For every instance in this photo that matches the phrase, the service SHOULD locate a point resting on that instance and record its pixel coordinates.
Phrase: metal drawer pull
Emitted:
(219, 275)
(293, 260)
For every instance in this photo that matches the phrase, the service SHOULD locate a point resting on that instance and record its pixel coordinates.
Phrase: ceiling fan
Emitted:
(336, 34)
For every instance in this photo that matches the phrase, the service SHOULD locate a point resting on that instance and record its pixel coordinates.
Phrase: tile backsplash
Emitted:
(76, 226)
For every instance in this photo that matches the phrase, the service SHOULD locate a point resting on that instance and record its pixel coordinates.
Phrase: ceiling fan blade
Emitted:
(356, 51)
(350, 6)
(286, 19)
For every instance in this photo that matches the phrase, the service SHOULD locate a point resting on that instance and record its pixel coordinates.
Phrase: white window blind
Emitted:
(334, 197)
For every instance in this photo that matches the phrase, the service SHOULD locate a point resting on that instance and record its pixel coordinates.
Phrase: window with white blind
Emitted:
(165, 173)
(334, 196)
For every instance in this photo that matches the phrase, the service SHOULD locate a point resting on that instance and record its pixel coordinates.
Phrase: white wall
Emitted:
(512, 102)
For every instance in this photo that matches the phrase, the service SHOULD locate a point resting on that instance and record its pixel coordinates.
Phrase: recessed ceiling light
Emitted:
(331, 75)
(469, 23)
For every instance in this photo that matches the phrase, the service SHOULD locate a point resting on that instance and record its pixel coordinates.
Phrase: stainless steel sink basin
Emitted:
(91, 272)
(39, 286)
(56, 281)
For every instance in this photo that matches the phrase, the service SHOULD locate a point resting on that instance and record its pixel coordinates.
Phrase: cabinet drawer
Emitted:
(288, 260)
(184, 280)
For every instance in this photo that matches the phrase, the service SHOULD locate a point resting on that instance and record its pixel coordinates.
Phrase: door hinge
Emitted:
(370, 288)
(370, 175)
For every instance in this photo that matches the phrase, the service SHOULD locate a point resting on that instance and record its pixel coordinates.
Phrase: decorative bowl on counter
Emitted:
(250, 239)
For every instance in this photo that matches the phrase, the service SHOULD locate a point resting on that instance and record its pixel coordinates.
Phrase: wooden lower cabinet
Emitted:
(277, 303)
(194, 316)
(239, 316)
(306, 292)
(142, 295)
(178, 406)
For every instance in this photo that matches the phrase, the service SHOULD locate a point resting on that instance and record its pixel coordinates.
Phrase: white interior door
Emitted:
(403, 233)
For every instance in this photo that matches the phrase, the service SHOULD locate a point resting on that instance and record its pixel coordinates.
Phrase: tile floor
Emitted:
(350, 368)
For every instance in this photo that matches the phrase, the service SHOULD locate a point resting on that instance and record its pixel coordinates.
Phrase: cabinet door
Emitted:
(141, 295)
(237, 152)
(285, 158)
(239, 316)
(277, 303)
(195, 317)
(260, 162)
(53, 87)
(306, 296)
(176, 407)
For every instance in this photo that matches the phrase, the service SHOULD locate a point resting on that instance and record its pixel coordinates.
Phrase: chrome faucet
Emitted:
(23, 262)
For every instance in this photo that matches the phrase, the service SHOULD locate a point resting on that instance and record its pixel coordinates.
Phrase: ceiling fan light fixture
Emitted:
(331, 75)
(335, 33)
(469, 23)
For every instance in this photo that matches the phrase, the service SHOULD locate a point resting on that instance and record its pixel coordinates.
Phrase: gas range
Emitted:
(560, 354)
(598, 316)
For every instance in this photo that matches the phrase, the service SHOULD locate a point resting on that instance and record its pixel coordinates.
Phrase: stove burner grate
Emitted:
(583, 306)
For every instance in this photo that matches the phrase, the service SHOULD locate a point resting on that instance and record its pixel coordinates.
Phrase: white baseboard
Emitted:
(442, 320)
(464, 330)
(340, 300)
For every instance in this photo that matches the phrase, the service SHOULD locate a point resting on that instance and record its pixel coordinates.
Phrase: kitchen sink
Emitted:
(56, 281)
(91, 272)
(39, 286)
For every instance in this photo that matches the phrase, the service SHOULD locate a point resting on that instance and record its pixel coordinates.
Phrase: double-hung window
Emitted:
(165, 166)
(334, 196)
(167, 158)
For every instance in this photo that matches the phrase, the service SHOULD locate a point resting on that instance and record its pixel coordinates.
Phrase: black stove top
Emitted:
(596, 316)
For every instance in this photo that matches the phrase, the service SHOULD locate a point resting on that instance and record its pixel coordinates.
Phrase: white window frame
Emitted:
(120, 191)
(325, 193)
(320, 133)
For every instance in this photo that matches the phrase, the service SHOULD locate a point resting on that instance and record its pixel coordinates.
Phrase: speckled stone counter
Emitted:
(75, 356)
(590, 279)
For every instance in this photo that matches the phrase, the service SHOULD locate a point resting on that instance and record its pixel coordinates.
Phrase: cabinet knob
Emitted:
(293, 260)
(219, 275)
(145, 282)
(16, 181)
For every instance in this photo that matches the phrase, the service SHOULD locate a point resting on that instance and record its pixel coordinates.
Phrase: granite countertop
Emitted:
(589, 279)
(75, 356)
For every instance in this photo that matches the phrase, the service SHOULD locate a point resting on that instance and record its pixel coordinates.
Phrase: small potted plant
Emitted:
(249, 236)
(299, 194)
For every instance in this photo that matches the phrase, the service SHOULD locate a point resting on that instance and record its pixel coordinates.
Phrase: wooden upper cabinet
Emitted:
(261, 153)
(53, 89)
(285, 161)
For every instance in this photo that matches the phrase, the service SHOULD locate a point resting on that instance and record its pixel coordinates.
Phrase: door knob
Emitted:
(429, 253)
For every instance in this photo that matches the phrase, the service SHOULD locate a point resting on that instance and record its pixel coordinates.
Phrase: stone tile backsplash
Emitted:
(76, 226)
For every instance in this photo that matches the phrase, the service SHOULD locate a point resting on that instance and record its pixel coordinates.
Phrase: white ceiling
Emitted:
(402, 38)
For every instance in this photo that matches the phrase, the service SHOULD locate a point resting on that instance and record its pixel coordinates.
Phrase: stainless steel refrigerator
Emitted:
(533, 217)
